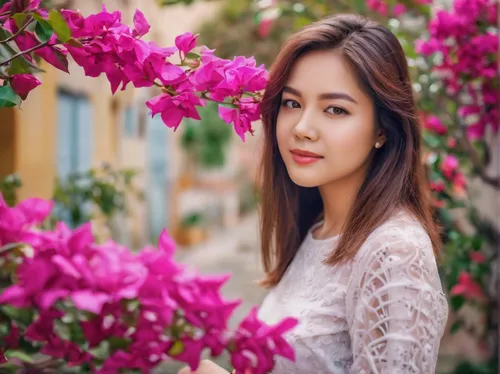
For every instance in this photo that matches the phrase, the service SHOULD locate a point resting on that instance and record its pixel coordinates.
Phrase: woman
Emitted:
(348, 240)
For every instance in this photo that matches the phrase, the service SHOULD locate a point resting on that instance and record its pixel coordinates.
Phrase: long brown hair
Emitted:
(396, 177)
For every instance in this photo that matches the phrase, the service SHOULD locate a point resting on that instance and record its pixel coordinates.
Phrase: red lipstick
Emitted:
(303, 157)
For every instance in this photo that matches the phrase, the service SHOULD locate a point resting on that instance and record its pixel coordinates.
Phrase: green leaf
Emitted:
(23, 316)
(62, 58)
(477, 243)
(8, 98)
(20, 18)
(457, 302)
(76, 333)
(21, 65)
(193, 55)
(19, 355)
(116, 343)
(431, 140)
(456, 326)
(4, 34)
(43, 29)
(359, 5)
(74, 43)
(60, 26)
(176, 349)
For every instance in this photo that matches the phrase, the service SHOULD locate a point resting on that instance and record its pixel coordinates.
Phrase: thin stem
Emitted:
(44, 44)
(21, 29)
(204, 96)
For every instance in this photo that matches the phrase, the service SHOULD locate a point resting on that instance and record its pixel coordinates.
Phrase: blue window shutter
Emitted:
(84, 135)
(65, 129)
(130, 121)
(74, 134)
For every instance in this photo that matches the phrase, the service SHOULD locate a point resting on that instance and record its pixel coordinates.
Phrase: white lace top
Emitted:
(384, 312)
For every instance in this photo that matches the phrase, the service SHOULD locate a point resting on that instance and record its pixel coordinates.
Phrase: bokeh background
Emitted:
(103, 158)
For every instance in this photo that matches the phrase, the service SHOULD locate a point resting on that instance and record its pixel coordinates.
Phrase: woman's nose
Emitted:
(304, 129)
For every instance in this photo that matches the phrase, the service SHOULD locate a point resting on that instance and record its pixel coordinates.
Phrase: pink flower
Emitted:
(22, 84)
(451, 142)
(467, 287)
(398, 10)
(434, 124)
(15, 223)
(242, 124)
(174, 109)
(449, 166)
(265, 27)
(191, 352)
(437, 186)
(186, 42)
(35, 210)
(141, 25)
(56, 56)
(69, 351)
(427, 48)
(133, 297)
(254, 339)
(43, 327)
(477, 257)
(11, 341)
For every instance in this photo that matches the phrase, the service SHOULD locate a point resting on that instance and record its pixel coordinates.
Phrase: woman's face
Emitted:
(326, 128)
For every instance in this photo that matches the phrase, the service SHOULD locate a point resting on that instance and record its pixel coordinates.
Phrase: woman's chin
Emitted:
(303, 180)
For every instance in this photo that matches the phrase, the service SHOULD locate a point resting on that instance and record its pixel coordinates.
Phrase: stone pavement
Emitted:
(234, 251)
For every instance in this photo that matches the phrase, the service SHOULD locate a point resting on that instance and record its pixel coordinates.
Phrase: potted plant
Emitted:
(191, 230)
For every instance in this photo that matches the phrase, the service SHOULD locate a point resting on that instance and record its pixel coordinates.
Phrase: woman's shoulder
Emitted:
(398, 252)
(402, 236)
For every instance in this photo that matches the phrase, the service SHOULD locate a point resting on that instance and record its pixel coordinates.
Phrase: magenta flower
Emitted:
(138, 298)
(398, 10)
(241, 117)
(174, 109)
(434, 124)
(22, 84)
(51, 54)
(141, 25)
(186, 42)
(449, 166)
(477, 257)
(254, 339)
(467, 287)
(11, 341)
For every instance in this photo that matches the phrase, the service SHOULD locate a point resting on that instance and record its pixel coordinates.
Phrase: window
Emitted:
(74, 134)
(130, 121)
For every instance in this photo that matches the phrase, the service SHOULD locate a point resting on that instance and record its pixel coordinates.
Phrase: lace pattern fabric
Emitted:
(384, 312)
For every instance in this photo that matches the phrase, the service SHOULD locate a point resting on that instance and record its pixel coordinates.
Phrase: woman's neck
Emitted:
(338, 198)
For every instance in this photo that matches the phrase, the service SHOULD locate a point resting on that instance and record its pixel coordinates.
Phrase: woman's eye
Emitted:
(290, 104)
(336, 110)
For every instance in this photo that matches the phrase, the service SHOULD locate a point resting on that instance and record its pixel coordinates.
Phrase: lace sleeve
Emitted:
(395, 305)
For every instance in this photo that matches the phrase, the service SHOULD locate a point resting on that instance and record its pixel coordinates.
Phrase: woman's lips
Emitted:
(303, 157)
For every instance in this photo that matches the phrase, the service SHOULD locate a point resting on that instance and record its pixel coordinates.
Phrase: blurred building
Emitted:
(73, 123)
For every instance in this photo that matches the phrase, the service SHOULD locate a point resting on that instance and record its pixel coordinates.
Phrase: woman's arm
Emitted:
(395, 306)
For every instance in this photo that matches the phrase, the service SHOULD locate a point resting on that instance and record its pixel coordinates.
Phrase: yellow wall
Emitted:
(7, 141)
(35, 129)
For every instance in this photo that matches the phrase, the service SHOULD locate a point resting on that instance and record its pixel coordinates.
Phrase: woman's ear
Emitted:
(380, 139)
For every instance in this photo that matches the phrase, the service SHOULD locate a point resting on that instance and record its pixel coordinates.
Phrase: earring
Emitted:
(377, 145)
